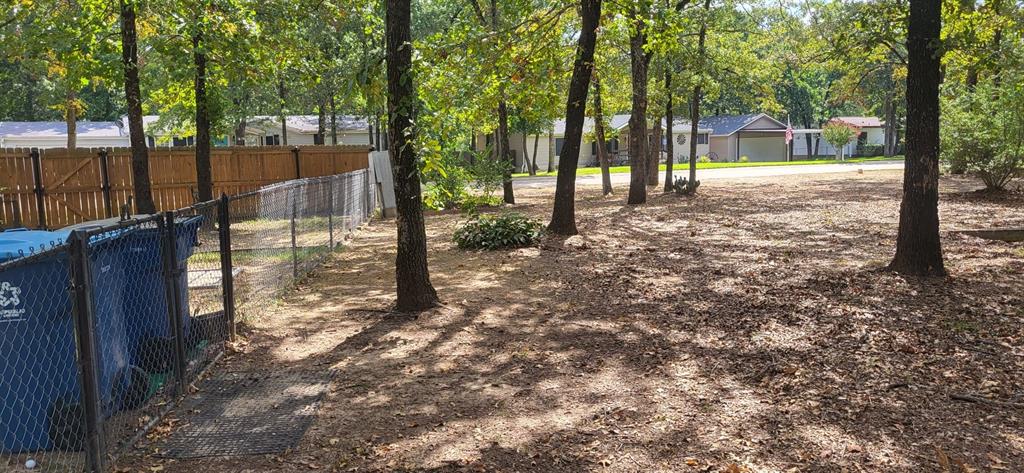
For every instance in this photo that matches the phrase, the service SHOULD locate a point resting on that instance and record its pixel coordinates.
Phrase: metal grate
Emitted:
(247, 414)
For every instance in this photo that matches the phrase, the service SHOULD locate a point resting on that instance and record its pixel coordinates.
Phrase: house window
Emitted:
(702, 138)
(272, 140)
(612, 145)
(150, 142)
(593, 148)
(558, 145)
(318, 139)
(178, 141)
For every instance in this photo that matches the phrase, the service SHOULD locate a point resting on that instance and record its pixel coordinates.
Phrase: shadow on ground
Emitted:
(746, 329)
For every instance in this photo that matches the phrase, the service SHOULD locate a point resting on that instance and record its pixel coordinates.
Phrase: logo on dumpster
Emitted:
(10, 299)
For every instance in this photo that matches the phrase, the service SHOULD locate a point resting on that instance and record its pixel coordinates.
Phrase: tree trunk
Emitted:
(563, 216)
(533, 163)
(526, 156)
(240, 132)
(808, 139)
(918, 248)
(204, 172)
(508, 164)
(694, 130)
(602, 145)
(654, 154)
(334, 122)
(638, 117)
(321, 120)
(695, 102)
(669, 145)
(71, 119)
(415, 293)
(282, 97)
(889, 109)
(551, 149)
(133, 99)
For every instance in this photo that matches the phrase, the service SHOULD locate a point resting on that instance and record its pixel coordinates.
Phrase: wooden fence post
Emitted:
(37, 181)
(298, 167)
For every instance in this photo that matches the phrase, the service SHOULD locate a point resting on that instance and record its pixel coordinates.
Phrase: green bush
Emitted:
(446, 182)
(492, 232)
(744, 159)
(487, 173)
(983, 131)
(704, 159)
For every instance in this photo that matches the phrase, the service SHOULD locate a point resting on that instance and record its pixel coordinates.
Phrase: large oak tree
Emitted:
(918, 249)
(563, 217)
(415, 293)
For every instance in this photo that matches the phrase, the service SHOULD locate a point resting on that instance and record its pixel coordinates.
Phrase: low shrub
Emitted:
(744, 159)
(471, 203)
(704, 159)
(493, 232)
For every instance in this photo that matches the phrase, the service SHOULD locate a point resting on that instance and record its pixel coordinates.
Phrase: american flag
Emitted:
(789, 132)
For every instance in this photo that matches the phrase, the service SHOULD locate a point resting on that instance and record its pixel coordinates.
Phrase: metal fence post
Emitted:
(295, 254)
(105, 183)
(330, 210)
(88, 355)
(367, 210)
(37, 181)
(173, 287)
(226, 274)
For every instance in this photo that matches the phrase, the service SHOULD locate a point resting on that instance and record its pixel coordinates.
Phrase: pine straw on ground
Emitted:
(746, 329)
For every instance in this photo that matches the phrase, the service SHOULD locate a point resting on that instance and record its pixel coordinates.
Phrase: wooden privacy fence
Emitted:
(52, 188)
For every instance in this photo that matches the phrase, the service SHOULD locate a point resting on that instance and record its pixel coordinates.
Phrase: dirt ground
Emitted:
(747, 329)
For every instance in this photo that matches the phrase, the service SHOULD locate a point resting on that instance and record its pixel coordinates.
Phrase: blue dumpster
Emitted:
(147, 321)
(39, 379)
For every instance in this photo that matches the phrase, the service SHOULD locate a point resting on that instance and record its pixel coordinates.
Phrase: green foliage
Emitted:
(838, 134)
(472, 203)
(487, 174)
(983, 130)
(449, 175)
(744, 159)
(493, 232)
(447, 181)
(704, 159)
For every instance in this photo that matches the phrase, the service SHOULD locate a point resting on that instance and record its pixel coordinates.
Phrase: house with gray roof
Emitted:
(548, 145)
(304, 130)
(757, 136)
(55, 134)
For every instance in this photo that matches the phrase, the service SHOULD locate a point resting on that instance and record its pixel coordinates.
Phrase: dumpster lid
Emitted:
(20, 242)
(107, 222)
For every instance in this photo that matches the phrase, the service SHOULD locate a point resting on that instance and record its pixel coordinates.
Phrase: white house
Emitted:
(548, 145)
(55, 134)
(303, 130)
(759, 137)
(868, 143)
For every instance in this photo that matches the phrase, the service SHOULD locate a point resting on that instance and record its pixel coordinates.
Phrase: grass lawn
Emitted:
(616, 169)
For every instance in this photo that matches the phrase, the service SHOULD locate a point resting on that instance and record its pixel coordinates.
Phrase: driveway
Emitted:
(722, 173)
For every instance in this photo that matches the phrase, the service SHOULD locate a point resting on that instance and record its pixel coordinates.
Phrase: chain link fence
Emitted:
(106, 324)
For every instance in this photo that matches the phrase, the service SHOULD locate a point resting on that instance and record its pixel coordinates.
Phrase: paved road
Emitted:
(722, 173)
